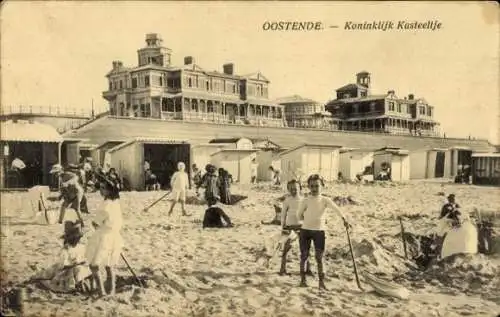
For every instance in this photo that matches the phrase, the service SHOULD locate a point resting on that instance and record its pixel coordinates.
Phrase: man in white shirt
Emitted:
(313, 212)
(18, 165)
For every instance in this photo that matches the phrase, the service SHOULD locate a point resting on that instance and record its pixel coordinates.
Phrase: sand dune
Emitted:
(195, 272)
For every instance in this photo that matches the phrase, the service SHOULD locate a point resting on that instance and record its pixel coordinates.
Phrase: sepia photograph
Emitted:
(249, 158)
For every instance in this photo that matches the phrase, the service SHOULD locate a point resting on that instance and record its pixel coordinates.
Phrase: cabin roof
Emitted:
(234, 151)
(225, 140)
(29, 131)
(310, 145)
(146, 140)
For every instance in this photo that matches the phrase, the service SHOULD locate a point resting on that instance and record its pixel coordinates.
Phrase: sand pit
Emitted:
(193, 272)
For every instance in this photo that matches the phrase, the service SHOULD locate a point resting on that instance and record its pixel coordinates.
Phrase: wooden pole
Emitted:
(403, 236)
(353, 259)
(139, 282)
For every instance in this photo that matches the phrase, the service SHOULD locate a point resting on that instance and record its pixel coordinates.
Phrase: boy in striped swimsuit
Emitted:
(312, 211)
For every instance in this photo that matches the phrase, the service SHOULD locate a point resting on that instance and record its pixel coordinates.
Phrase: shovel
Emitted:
(157, 201)
(353, 258)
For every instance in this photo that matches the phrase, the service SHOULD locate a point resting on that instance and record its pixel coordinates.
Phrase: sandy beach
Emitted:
(195, 272)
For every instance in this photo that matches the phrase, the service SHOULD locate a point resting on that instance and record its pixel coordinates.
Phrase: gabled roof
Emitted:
(256, 76)
(268, 142)
(234, 151)
(294, 99)
(351, 86)
(26, 131)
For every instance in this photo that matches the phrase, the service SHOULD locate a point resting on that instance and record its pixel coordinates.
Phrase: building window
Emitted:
(210, 106)
(110, 85)
(391, 106)
(363, 94)
(134, 82)
(399, 107)
(190, 82)
(408, 109)
(345, 96)
(207, 85)
(161, 80)
(421, 110)
(146, 81)
(429, 112)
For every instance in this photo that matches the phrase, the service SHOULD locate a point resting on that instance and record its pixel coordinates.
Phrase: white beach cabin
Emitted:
(354, 161)
(308, 159)
(236, 161)
(398, 160)
(431, 163)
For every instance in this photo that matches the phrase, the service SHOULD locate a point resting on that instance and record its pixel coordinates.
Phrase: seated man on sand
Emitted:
(215, 217)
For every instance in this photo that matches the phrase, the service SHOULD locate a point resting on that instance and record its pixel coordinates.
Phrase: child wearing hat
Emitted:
(179, 183)
(105, 245)
(71, 271)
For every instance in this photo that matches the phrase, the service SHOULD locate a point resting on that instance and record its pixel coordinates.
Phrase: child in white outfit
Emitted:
(105, 245)
(180, 185)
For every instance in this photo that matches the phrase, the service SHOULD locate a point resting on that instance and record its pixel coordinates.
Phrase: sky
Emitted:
(57, 53)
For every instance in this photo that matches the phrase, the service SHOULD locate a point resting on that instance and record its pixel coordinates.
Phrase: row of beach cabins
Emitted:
(236, 155)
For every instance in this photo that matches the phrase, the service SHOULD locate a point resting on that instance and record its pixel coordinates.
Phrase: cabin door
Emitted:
(439, 168)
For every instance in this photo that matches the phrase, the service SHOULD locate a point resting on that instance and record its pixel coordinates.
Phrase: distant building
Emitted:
(156, 89)
(359, 110)
(306, 113)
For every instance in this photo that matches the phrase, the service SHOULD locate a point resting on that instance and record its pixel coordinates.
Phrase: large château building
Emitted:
(157, 89)
(359, 110)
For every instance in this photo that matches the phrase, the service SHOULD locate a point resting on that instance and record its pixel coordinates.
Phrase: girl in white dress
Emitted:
(105, 245)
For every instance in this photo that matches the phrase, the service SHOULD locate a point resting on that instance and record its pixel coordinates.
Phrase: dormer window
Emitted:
(345, 96)
(391, 106)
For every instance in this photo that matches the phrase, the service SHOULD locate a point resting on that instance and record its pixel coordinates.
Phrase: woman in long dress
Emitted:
(105, 245)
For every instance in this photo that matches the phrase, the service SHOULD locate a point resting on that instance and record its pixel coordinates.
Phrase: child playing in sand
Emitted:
(289, 220)
(312, 212)
(179, 183)
(215, 217)
(105, 245)
(72, 193)
(71, 271)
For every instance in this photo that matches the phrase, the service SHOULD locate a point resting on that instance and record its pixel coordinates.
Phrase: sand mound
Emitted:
(373, 256)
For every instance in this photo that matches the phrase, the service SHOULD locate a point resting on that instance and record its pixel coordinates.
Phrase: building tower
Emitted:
(363, 79)
(154, 53)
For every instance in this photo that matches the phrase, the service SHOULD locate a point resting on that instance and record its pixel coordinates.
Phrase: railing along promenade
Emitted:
(45, 111)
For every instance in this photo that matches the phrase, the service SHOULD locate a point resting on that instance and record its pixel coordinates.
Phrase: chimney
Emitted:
(117, 64)
(188, 60)
(228, 68)
(411, 96)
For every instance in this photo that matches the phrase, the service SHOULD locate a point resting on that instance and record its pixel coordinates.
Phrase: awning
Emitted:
(25, 131)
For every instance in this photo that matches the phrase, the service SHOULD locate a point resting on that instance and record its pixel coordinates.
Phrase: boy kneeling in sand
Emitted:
(312, 211)
(214, 216)
(179, 184)
(290, 221)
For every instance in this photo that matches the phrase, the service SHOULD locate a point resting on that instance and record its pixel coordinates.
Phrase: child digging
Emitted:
(312, 211)
(290, 221)
(71, 272)
(179, 184)
(105, 245)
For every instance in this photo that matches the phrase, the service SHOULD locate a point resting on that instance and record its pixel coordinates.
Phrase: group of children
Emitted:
(79, 267)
